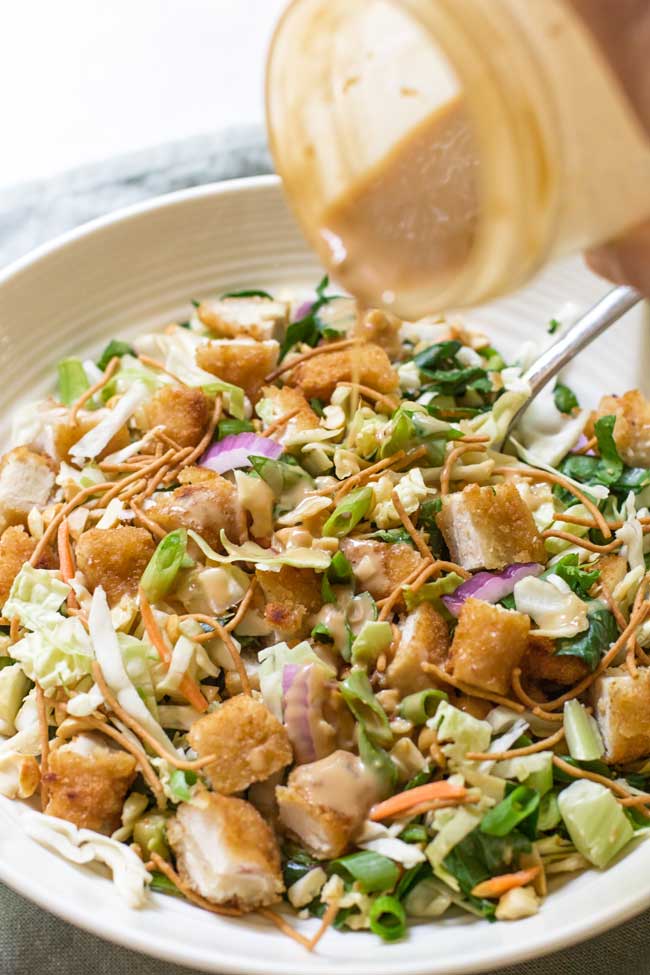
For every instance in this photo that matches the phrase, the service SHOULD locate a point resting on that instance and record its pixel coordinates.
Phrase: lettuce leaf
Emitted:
(300, 558)
(35, 598)
(590, 645)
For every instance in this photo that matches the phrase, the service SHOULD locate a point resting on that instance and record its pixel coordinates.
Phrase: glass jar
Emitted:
(437, 153)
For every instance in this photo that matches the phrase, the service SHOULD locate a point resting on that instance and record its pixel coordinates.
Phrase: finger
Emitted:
(625, 261)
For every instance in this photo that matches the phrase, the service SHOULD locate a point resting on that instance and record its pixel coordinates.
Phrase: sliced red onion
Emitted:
(303, 310)
(490, 586)
(305, 689)
(235, 450)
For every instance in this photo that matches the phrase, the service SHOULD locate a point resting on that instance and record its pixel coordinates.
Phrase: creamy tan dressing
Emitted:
(413, 216)
(340, 781)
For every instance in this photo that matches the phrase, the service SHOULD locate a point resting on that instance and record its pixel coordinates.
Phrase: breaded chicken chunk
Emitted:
(632, 427)
(88, 782)
(26, 482)
(206, 507)
(225, 851)
(255, 317)
(324, 803)
(382, 328)
(424, 638)
(248, 741)
(489, 642)
(183, 412)
(612, 568)
(378, 566)
(278, 402)
(16, 548)
(241, 362)
(622, 709)
(291, 596)
(541, 663)
(114, 558)
(489, 528)
(318, 377)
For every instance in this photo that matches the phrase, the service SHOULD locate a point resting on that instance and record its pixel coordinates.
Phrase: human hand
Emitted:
(622, 30)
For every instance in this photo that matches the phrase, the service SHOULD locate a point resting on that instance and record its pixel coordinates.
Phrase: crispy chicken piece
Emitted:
(612, 568)
(382, 328)
(16, 547)
(324, 803)
(114, 558)
(225, 851)
(248, 741)
(318, 377)
(489, 642)
(256, 317)
(540, 663)
(184, 412)
(241, 362)
(489, 528)
(26, 481)
(88, 781)
(291, 596)
(67, 434)
(206, 507)
(424, 639)
(380, 567)
(284, 401)
(622, 709)
(632, 427)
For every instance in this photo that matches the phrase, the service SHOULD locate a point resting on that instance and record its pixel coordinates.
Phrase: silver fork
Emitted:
(592, 324)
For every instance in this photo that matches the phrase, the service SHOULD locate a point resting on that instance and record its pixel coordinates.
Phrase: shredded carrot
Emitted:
(415, 535)
(188, 686)
(164, 867)
(538, 746)
(496, 886)
(44, 739)
(414, 797)
(242, 608)
(319, 350)
(142, 733)
(281, 421)
(450, 460)
(534, 474)
(468, 689)
(95, 388)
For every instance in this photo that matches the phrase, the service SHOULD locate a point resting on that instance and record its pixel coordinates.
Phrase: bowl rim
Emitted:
(543, 942)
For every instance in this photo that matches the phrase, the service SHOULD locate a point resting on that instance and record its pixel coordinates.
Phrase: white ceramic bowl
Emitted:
(140, 268)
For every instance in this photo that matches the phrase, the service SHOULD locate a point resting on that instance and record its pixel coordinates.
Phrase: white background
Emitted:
(82, 80)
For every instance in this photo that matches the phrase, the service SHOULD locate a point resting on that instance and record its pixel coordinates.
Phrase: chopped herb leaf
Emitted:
(114, 348)
(564, 398)
(247, 293)
(309, 329)
(579, 579)
(229, 426)
(553, 326)
(592, 643)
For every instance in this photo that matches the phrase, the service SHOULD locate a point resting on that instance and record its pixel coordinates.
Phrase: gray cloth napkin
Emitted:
(32, 940)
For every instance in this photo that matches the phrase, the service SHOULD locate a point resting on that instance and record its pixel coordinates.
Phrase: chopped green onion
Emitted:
(72, 380)
(279, 474)
(114, 348)
(419, 707)
(180, 784)
(247, 293)
(160, 574)
(340, 570)
(149, 834)
(549, 813)
(372, 871)
(359, 697)
(163, 885)
(349, 513)
(582, 733)
(504, 817)
(596, 823)
(322, 632)
(229, 426)
(374, 637)
(377, 761)
(388, 918)
(6, 662)
(414, 833)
